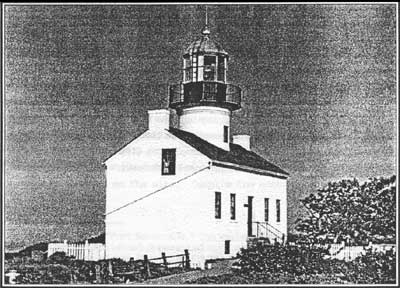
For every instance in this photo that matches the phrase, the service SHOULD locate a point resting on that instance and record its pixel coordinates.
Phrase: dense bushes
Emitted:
(305, 265)
(62, 269)
(302, 264)
(352, 212)
(271, 259)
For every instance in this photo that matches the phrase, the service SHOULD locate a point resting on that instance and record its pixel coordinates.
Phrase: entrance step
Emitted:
(253, 241)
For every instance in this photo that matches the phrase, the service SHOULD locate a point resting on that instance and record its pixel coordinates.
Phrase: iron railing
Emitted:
(266, 230)
(205, 93)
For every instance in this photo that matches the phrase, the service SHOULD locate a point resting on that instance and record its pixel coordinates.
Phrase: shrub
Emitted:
(350, 211)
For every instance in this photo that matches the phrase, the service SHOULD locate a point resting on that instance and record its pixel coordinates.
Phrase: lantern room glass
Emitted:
(209, 68)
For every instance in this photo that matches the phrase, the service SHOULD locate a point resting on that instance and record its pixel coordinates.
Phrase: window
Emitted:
(189, 74)
(227, 246)
(266, 209)
(195, 67)
(233, 206)
(221, 68)
(226, 134)
(168, 161)
(187, 62)
(218, 205)
(209, 68)
(278, 210)
(188, 69)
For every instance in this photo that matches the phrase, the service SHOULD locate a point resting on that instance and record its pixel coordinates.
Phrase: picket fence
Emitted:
(348, 253)
(85, 251)
(96, 251)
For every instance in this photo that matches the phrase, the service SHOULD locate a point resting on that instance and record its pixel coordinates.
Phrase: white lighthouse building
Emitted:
(195, 186)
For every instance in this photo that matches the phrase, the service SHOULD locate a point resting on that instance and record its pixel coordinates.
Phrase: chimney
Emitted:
(242, 140)
(158, 119)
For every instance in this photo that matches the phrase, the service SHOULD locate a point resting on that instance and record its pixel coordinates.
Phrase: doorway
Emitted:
(250, 216)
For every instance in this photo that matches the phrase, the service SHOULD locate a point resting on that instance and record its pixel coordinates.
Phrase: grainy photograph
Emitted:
(194, 143)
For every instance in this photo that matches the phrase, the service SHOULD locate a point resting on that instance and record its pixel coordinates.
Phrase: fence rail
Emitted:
(343, 252)
(184, 259)
(147, 265)
(85, 251)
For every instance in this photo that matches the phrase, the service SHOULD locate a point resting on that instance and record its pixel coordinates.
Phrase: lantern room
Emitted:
(204, 60)
(204, 81)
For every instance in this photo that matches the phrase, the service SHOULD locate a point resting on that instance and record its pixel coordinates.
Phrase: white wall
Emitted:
(183, 216)
(207, 123)
(163, 222)
(242, 184)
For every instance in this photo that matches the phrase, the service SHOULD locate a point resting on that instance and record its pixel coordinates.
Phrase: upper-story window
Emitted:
(168, 161)
(209, 68)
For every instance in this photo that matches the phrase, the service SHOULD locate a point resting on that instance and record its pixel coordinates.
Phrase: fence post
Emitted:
(164, 258)
(110, 268)
(344, 250)
(187, 264)
(146, 265)
(98, 274)
(86, 251)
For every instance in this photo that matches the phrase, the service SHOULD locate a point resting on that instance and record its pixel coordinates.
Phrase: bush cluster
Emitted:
(62, 269)
(352, 212)
(286, 264)
(307, 264)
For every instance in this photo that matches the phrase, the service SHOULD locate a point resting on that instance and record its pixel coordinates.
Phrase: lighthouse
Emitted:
(194, 187)
(204, 100)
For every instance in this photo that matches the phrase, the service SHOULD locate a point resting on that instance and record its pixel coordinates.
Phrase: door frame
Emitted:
(249, 206)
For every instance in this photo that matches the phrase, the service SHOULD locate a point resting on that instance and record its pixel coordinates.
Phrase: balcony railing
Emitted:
(205, 93)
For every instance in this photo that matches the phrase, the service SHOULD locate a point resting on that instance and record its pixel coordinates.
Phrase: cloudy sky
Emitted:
(319, 97)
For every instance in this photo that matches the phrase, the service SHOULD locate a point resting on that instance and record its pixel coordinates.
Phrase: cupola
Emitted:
(204, 81)
(204, 100)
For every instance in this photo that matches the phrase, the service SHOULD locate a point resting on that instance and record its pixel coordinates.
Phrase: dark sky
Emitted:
(319, 97)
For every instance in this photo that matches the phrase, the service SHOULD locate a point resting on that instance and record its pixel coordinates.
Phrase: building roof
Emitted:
(204, 45)
(237, 155)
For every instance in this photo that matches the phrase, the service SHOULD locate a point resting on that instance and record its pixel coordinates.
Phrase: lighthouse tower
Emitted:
(204, 100)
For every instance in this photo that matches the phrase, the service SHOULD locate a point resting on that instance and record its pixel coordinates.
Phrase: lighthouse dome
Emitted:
(204, 45)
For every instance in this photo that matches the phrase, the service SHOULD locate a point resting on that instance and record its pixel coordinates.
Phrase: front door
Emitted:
(250, 216)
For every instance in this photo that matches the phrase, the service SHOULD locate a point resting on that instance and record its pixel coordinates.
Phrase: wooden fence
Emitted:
(84, 251)
(150, 266)
(180, 260)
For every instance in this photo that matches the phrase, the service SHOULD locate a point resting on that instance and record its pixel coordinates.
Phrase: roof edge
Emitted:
(249, 169)
(122, 147)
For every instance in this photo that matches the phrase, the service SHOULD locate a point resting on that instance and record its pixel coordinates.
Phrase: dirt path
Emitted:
(219, 269)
